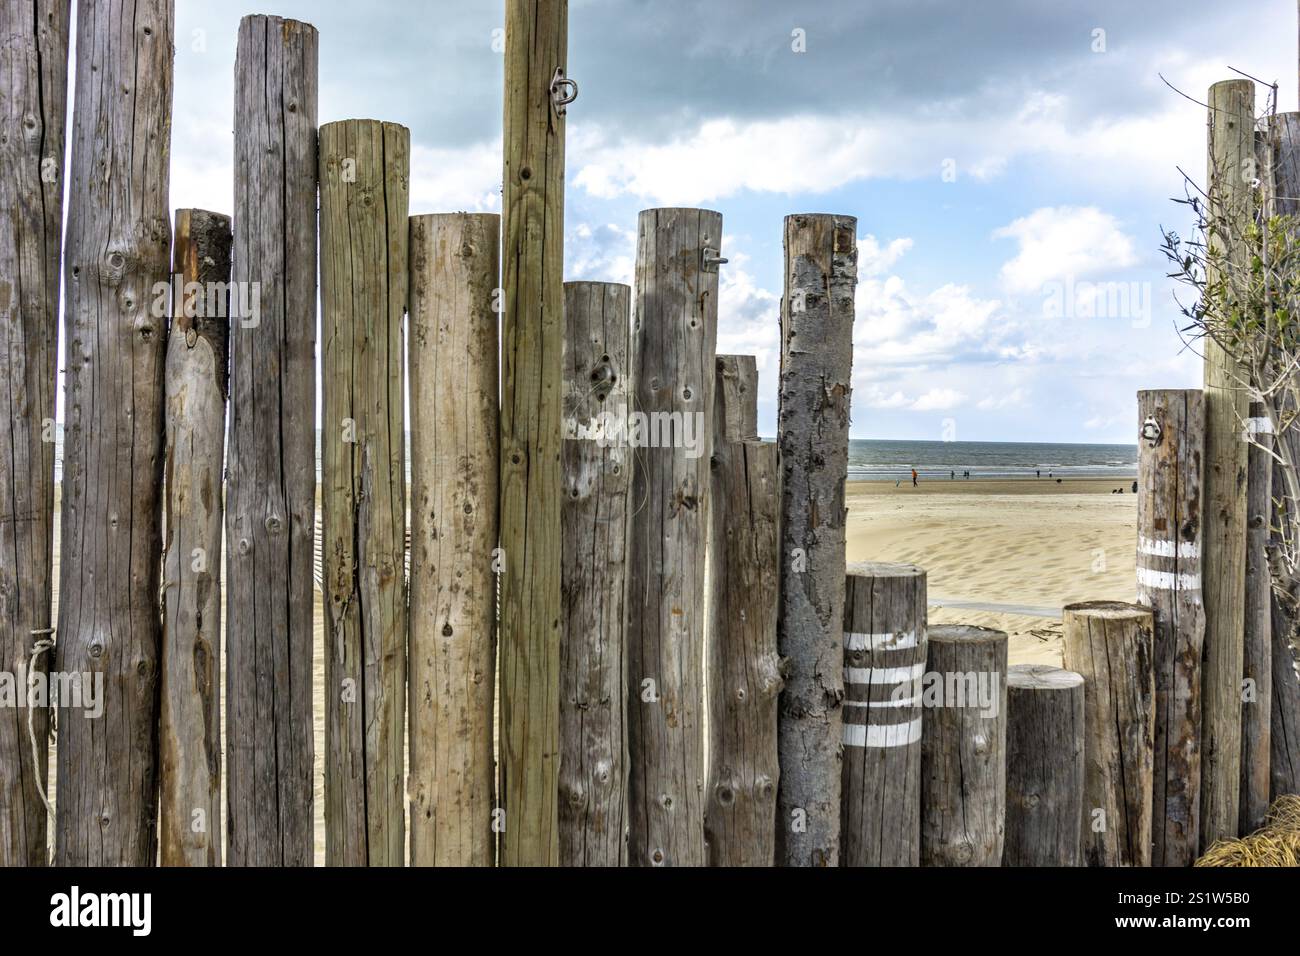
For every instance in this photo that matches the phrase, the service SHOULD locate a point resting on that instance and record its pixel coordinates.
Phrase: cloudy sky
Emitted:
(1010, 163)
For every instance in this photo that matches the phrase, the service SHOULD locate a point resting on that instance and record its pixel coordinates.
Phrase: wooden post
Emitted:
(454, 416)
(1171, 447)
(1232, 151)
(884, 659)
(532, 343)
(189, 816)
(271, 471)
(593, 652)
(1111, 644)
(34, 64)
(364, 169)
(1284, 730)
(744, 675)
(963, 747)
(821, 255)
(115, 312)
(675, 334)
(1257, 657)
(1044, 766)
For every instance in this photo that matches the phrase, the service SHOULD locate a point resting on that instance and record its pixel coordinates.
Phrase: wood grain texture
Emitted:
(1169, 523)
(453, 366)
(1223, 558)
(744, 673)
(593, 651)
(364, 171)
(532, 345)
(110, 620)
(817, 312)
(963, 747)
(1045, 766)
(884, 631)
(189, 812)
(271, 470)
(1257, 641)
(1110, 645)
(675, 328)
(33, 108)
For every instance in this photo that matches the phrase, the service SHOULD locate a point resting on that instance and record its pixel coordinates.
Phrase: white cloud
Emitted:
(1060, 242)
(938, 400)
(873, 259)
(447, 180)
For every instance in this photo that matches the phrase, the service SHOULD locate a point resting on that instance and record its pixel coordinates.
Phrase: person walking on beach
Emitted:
(913, 477)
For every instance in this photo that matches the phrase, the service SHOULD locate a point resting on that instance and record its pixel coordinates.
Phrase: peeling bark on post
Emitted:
(34, 64)
(532, 343)
(1171, 448)
(1110, 645)
(744, 679)
(1044, 766)
(1257, 656)
(593, 652)
(813, 430)
(964, 748)
(364, 169)
(674, 340)
(884, 657)
(454, 416)
(110, 620)
(189, 770)
(271, 473)
(1232, 145)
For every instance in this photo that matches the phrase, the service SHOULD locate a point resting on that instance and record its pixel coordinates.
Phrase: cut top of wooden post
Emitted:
(1044, 677)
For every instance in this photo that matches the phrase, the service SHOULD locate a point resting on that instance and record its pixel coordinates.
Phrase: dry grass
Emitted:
(1276, 843)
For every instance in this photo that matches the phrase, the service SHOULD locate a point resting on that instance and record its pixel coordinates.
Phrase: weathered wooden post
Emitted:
(116, 302)
(884, 660)
(821, 255)
(364, 168)
(1045, 770)
(452, 345)
(1110, 644)
(189, 771)
(532, 343)
(1284, 730)
(1231, 160)
(1171, 448)
(271, 467)
(675, 327)
(33, 108)
(596, 514)
(744, 679)
(1257, 656)
(963, 747)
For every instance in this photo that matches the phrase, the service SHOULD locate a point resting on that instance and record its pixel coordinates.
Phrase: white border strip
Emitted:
(882, 735)
(1168, 581)
(883, 675)
(1168, 549)
(889, 641)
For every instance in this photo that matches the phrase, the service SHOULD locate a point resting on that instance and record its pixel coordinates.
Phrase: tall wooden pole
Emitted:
(1284, 730)
(675, 328)
(271, 486)
(189, 770)
(821, 254)
(364, 170)
(1257, 656)
(452, 344)
(593, 655)
(110, 620)
(744, 684)
(532, 343)
(884, 655)
(34, 64)
(1171, 452)
(1231, 166)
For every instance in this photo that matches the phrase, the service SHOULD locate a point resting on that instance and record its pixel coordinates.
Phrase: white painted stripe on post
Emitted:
(1168, 581)
(882, 675)
(1168, 549)
(857, 641)
(1257, 426)
(905, 702)
(882, 735)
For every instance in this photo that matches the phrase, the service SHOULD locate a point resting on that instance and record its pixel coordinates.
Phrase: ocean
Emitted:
(873, 459)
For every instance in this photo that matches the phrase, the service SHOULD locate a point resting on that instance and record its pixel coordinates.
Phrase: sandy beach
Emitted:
(1003, 553)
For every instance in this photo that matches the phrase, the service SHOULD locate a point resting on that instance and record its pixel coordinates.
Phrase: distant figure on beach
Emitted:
(1038, 473)
(913, 477)
(952, 475)
(1135, 487)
